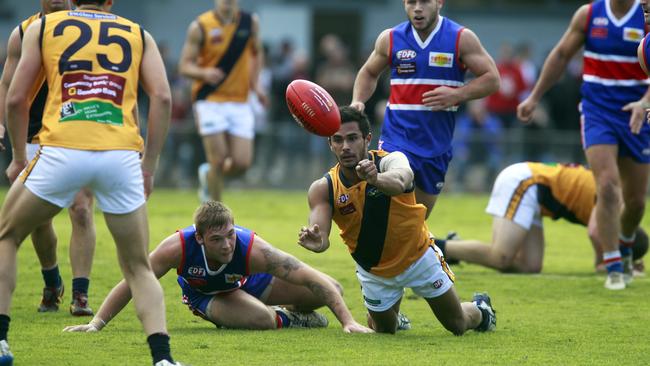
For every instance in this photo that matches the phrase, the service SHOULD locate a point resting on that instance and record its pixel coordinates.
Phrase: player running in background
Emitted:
(369, 194)
(82, 240)
(523, 193)
(223, 55)
(614, 136)
(93, 62)
(428, 56)
(230, 277)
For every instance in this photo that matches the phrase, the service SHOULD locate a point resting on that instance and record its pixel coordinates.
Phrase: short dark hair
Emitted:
(89, 2)
(212, 215)
(349, 114)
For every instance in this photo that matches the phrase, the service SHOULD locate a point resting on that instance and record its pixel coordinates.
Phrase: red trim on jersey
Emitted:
(613, 70)
(179, 270)
(461, 65)
(409, 93)
(390, 48)
(248, 253)
(591, 8)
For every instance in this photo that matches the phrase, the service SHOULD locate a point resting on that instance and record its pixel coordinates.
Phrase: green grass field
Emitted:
(562, 316)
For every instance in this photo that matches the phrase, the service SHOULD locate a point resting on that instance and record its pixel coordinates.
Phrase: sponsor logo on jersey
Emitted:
(632, 34)
(439, 185)
(232, 277)
(598, 32)
(216, 35)
(92, 97)
(196, 271)
(373, 192)
(437, 284)
(405, 68)
(346, 210)
(441, 59)
(84, 14)
(600, 21)
(343, 198)
(405, 55)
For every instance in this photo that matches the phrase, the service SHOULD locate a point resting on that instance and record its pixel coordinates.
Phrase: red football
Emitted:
(313, 108)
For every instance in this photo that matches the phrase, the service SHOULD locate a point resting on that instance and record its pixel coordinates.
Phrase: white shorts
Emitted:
(31, 150)
(426, 277)
(56, 174)
(515, 198)
(237, 119)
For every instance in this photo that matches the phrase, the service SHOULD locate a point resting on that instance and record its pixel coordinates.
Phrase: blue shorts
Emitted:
(605, 127)
(198, 302)
(429, 172)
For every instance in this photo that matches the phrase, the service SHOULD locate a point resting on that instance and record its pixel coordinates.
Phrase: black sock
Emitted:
(51, 277)
(80, 284)
(4, 326)
(159, 345)
(441, 244)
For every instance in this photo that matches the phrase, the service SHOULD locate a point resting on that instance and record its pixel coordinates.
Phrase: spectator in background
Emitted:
(504, 102)
(477, 142)
(336, 72)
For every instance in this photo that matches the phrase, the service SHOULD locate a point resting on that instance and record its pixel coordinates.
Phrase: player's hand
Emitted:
(95, 325)
(147, 177)
(358, 106)
(213, 75)
(355, 327)
(638, 116)
(262, 97)
(526, 109)
(441, 98)
(366, 170)
(14, 169)
(2, 136)
(310, 238)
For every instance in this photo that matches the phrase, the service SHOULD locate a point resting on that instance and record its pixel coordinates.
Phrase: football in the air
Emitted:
(313, 108)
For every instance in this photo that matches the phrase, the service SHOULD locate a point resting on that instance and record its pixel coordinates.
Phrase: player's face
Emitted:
(348, 145)
(219, 243)
(50, 6)
(422, 14)
(225, 5)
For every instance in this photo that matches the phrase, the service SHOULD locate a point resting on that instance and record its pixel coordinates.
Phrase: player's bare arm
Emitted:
(154, 82)
(366, 81)
(474, 56)
(165, 257)
(394, 176)
(315, 236)
(265, 258)
(257, 60)
(188, 66)
(556, 62)
(18, 101)
(641, 56)
(13, 55)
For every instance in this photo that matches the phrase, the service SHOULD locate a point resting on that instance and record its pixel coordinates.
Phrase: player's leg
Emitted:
(382, 297)
(427, 199)
(212, 125)
(507, 239)
(455, 316)
(385, 321)
(634, 180)
(21, 212)
(82, 250)
(45, 243)
(216, 150)
(239, 310)
(603, 163)
(300, 298)
(530, 257)
(241, 135)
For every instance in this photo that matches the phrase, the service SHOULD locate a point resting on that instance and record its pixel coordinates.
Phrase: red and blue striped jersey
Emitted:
(194, 269)
(612, 76)
(418, 66)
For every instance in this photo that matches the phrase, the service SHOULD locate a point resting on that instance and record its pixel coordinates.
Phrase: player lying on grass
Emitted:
(231, 277)
(522, 194)
(369, 194)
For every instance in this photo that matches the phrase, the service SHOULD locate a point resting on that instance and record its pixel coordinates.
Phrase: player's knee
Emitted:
(609, 190)
(262, 321)
(533, 268)
(338, 286)
(81, 213)
(456, 326)
(385, 328)
(502, 261)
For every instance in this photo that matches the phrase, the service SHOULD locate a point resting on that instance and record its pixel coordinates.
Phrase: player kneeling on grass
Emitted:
(525, 192)
(230, 276)
(370, 195)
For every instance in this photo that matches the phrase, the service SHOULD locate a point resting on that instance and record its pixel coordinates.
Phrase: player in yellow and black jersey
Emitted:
(522, 195)
(93, 62)
(369, 195)
(82, 241)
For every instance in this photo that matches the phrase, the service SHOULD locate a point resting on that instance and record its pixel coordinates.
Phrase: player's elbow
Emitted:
(15, 101)
(493, 82)
(161, 96)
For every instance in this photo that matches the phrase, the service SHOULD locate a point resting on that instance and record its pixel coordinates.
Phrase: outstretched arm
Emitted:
(315, 236)
(265, 258)
(366, 81)
(13, 55)
(166, 256)
(556, 62)
(394, 176)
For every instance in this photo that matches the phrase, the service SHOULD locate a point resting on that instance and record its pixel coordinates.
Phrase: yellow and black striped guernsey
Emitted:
(92, 63)
(384, 234)
(563, 191)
